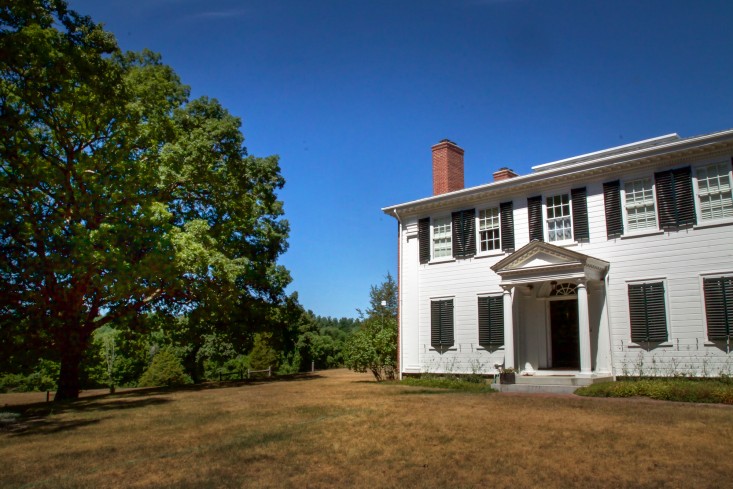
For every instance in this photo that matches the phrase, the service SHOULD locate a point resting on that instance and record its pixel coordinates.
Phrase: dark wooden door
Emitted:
(564, 331)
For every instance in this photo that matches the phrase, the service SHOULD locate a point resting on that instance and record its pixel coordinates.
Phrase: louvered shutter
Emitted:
(581, 231)
(423, 236)
(507, 226)
(675, 198)
(665, 200)
(441, 323)
(684, 196)
(534, 211)
(647, 312)
(612, 203)
(490, 321)
(464, 233)
(719, 307)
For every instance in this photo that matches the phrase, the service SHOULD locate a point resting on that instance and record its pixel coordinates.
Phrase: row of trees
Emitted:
(134, 225)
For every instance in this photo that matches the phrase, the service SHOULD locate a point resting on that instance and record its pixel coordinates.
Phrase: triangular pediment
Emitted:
(539, 255)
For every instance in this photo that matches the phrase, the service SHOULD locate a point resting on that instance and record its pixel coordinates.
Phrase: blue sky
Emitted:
(351, 94)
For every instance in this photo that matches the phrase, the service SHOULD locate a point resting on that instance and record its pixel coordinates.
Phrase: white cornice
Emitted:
(576, 168)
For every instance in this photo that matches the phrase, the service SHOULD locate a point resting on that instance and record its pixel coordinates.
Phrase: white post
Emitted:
(508, 330)
(584, 329)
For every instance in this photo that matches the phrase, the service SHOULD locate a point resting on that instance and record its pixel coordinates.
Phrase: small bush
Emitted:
(467, 384)
(165, 370)
(666, 389)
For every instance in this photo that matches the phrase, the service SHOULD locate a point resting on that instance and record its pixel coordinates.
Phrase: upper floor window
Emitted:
(442, 237)
(488, 229)
(559, 223)
(639, 204)
(714, 191)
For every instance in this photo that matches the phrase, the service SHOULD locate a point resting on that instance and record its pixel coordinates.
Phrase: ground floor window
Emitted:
(441, 323)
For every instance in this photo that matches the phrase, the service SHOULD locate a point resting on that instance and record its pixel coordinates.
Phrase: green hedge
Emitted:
(682, 390)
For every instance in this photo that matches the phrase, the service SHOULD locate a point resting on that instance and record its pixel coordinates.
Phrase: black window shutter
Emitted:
(666, 207)
(463, 230)
(534, 210)
(490, 321)
(647, 312)
(507, 226)
(423, 236)
(675, 198)
(719, 307)
(581, 232)
(441, 323)
(612, 203)
(684, 196)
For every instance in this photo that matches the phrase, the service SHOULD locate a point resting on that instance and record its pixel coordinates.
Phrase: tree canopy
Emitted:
(120, 196)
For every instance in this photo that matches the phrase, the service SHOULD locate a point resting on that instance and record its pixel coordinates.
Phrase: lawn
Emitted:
(340, 429)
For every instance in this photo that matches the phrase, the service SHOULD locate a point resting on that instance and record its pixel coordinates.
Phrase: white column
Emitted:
(584, 329)
(508, 330)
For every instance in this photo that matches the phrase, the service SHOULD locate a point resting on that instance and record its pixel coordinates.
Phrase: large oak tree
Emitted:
(120, 196)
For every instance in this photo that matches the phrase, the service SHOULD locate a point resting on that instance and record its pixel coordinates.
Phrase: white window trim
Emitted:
(545, 230)
(696, 190)
(645, 231)
(441, 259)
(703, 312)
(497, 251)
(667, 316)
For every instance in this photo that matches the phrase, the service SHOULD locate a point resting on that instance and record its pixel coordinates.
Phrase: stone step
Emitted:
(536, 389)
(560, 380)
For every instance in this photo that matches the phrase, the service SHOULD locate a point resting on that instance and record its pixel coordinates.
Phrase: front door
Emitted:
(564, 332)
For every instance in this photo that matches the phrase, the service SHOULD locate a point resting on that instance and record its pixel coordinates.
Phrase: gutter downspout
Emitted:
(399, 294)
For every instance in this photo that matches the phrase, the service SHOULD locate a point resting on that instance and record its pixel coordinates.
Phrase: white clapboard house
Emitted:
(613, 263)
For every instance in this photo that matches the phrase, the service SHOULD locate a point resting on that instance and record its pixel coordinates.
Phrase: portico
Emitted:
(550, 323)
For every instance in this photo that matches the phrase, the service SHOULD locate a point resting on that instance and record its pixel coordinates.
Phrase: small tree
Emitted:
(164, 370)
(263, 356)
(374, 346)
(105, 338)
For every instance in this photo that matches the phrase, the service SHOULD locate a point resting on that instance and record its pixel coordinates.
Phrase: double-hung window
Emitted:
(559, 222)
(442, 246)
(714, 191)
(489, 229)
(639, 205)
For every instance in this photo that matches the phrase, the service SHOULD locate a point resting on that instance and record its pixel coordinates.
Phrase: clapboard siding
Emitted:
(678, 258)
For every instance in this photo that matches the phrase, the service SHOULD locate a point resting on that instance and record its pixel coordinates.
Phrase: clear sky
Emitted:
(352, 93)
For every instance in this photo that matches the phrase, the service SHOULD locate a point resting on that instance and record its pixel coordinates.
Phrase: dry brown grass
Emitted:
(340, 429)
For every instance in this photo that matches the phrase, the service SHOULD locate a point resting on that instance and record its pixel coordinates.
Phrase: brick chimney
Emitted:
(447, 167)
(504, 173)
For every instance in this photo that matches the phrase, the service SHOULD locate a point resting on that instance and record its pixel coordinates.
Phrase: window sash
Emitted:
(559, 222)
(639, 204)
(489, 229)
(442, 243)
(714, 192)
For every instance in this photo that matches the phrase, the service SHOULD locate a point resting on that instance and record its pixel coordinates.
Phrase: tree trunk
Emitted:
(69, 376)
(72, 350)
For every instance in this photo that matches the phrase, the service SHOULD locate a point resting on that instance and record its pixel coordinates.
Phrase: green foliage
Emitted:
(120, 195)
(165, 370)
(263, 356)
(667, 389)
(42, 378)
(466, 384)
(374, 346)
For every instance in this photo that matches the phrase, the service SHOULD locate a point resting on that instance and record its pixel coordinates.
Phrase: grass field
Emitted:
(340, 429)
